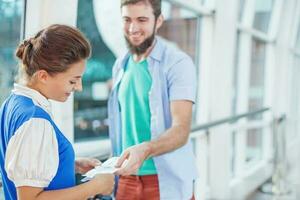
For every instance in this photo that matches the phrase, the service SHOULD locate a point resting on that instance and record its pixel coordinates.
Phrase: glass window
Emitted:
(241, 9)
(10, 33)
(298, 39)
(207, 2)
(181, 28)
(11, 13)
(254, 145)
(263, 13)
(256, 90)
(203, 2)
(256, 98)
(235, 75)
(234, 102)
(294, 101)
(90, 105)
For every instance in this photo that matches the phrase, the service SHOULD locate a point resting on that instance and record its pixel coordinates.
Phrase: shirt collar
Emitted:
(37, 97)
(157, 51)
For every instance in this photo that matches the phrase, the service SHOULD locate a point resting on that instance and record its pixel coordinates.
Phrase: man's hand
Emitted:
(173, 138)
(83, 165)
(134, 156)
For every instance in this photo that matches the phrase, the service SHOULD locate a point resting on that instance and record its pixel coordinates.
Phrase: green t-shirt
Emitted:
(135, 111)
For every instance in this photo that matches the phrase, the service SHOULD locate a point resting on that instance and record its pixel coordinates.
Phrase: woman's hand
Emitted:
(105, 183)
(83, 165)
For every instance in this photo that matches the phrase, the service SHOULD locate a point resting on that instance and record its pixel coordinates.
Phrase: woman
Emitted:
(37, 161)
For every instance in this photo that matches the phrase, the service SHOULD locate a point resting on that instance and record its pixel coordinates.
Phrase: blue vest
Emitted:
(15, 111)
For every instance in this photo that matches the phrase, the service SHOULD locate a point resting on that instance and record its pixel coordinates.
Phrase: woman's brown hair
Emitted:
(53, 49)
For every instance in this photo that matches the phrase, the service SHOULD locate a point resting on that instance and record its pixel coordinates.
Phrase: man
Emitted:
(150, 110)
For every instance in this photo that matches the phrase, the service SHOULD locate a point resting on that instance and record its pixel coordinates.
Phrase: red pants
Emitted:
(138, 188)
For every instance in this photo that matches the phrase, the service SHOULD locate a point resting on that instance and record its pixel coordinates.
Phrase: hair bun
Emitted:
(22, 47)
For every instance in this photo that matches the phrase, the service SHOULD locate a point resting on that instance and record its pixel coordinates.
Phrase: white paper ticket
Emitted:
(108, 167)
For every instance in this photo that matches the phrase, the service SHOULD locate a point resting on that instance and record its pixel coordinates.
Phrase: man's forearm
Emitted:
(172, 139)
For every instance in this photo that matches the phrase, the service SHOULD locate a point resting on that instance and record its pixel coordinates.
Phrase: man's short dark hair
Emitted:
(155, 4)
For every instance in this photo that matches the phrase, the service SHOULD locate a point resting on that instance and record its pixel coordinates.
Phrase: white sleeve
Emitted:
(32, 154)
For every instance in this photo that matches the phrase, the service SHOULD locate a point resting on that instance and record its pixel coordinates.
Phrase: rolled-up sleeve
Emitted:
(32, 154)
(182, 80)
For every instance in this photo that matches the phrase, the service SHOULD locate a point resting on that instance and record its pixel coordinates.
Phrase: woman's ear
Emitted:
(42, 76)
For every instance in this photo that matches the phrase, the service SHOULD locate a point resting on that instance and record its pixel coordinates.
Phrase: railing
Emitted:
(208, 152)
(229, 120)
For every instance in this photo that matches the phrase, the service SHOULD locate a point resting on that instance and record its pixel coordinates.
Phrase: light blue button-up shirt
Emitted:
(173, 78)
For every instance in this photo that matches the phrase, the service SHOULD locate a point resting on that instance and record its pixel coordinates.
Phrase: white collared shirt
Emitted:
(32, 157)
(37, 97)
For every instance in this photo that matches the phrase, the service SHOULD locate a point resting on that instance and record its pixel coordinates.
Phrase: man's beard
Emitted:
(142, 48)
